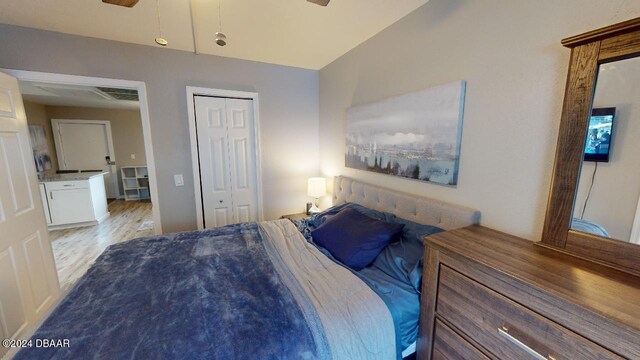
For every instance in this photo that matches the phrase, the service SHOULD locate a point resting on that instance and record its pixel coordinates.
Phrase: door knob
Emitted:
(220, 201)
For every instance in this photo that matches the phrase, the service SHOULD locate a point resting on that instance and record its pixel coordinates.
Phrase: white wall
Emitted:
(510, 54)
(288, 108)
(37, 115)
(616, 186)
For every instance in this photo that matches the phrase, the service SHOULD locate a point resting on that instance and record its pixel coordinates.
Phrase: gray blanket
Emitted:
(356, 322)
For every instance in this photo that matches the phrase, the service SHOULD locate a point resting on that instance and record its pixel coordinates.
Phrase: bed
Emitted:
(588, 227)
(254, 290)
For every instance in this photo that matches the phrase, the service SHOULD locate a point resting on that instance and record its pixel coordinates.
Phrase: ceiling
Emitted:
(74, 95)
(287, 32)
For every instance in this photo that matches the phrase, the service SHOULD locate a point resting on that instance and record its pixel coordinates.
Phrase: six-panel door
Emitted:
(28, 279)
(227, 160)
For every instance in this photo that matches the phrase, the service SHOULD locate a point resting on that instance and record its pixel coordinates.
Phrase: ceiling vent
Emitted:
(73, 91)
(120, 94)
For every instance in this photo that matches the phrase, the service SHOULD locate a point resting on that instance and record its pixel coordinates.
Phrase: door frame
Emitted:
(140, 86)
(635, 228)
(55, 126)
(191, 106)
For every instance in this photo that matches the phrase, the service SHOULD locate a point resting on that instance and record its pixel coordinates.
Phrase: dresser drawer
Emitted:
(505, 328)
(67, 185)
(449, 345)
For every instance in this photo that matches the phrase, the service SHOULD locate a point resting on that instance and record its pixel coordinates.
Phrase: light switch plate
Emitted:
(133, 156)
(178, 180)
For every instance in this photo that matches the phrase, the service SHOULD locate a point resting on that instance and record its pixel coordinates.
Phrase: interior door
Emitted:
(227, 160)
(215, 169)
(85, 145)
(28, 278)
(241, 135)
(45, 204)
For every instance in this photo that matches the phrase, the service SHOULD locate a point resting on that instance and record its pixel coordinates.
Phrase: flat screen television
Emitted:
(598, 144)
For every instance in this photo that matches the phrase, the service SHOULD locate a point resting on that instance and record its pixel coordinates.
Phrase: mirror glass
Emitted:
(606, 201)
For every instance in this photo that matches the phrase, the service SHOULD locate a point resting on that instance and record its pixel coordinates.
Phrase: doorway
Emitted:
(85, 134)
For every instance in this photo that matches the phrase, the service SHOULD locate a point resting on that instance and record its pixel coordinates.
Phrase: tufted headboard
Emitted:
(411, 207)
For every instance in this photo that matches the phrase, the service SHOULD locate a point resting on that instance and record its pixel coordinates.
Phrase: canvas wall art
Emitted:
(40, 148)
(415, 135)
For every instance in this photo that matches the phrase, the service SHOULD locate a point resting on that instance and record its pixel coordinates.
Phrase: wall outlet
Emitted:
(178, 180)
(133, 156)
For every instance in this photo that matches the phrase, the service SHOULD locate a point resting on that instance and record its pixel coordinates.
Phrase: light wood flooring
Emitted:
(75, 250)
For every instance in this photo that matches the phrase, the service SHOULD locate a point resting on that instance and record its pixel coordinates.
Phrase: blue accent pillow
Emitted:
(402, 259)
(308, 225)
(353, 238)
(320, 218)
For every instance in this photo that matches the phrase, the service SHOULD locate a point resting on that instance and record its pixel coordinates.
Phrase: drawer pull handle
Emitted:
(67, 185)
(504, 332)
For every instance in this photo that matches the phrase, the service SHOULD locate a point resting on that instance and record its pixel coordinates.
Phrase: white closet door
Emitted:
(243, 159)
(28, 279)
(227, 160)
(213, 150)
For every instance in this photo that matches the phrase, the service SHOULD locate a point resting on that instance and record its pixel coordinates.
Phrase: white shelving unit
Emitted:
(135, 182)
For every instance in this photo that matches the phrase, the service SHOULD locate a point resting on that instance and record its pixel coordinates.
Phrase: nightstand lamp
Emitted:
(316, 188)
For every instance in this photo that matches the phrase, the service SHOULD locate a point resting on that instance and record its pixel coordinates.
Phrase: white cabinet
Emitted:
(75, 203)
(70, 206)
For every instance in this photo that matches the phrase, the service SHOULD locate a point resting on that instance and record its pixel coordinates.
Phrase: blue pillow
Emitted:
(308, 225)
(402, 259)
(353, 238)
(321, 217)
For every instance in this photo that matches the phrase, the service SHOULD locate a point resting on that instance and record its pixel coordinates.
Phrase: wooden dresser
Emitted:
(486, 294)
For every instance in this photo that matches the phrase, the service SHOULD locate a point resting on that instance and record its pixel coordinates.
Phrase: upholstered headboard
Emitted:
(411, 207)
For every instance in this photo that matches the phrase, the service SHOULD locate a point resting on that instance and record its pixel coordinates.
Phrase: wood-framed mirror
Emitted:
(594, 208)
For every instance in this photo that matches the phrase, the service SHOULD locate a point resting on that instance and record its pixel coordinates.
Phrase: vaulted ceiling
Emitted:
(287, 32)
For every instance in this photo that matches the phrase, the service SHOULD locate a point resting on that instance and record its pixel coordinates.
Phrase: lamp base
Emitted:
(314, 210)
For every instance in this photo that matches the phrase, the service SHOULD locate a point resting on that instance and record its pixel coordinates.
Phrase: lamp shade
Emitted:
(317, 187)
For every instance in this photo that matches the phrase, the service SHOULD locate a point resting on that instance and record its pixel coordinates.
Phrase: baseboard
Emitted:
(104, 217)
(71, 226)
(80, 224)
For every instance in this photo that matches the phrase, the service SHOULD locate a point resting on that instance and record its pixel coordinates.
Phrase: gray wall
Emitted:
(510, 54)
(288, 109)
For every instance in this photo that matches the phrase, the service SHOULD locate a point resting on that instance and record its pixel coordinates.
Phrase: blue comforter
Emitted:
(396, 275)
(167, 297)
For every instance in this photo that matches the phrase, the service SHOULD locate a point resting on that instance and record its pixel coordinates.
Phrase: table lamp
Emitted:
(316, 188)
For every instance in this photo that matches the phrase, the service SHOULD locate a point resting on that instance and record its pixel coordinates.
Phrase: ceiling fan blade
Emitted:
(320, 2)
(127, 3)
